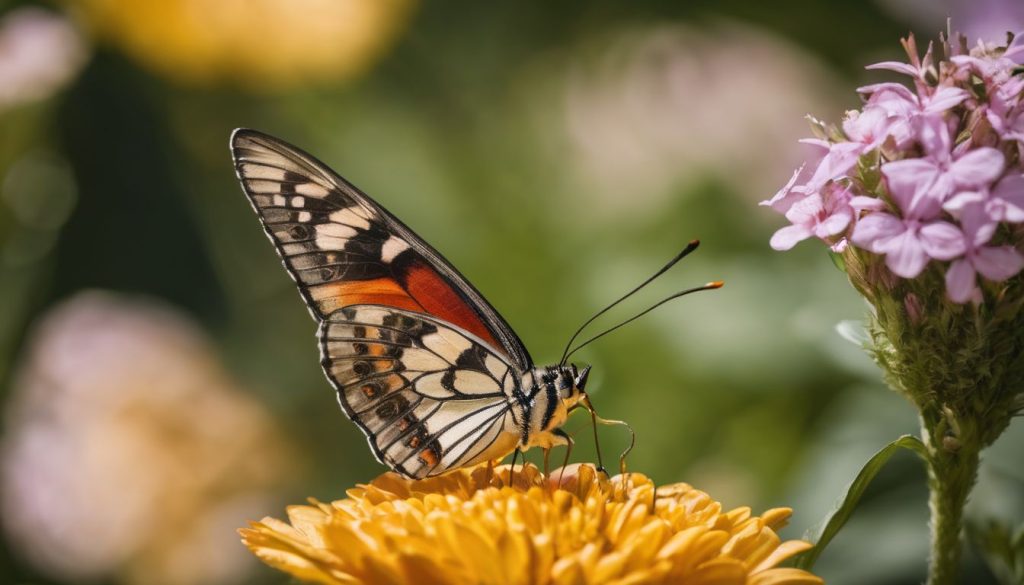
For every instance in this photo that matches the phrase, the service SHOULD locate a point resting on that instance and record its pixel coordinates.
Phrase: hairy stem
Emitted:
(952, 469)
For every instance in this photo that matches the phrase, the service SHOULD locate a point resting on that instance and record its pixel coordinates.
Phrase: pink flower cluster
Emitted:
(932, 174)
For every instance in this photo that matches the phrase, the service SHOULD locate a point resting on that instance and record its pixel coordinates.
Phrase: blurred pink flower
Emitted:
(128, 453)
(636, 101)
(39, 53)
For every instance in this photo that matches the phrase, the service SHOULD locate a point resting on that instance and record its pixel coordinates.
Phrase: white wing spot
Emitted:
(278, 201)
(474, 382)
(311, 190)
(305, 216)
(392, 247)
(422, 361)
(429, 385)
(262, 172)
(348, 216)
(495, 366)
(332, 236)
(298, 201)
(448, 347)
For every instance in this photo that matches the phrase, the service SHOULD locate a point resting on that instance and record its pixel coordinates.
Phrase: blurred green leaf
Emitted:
(1001, 547)
(835, 521)
(837, 261)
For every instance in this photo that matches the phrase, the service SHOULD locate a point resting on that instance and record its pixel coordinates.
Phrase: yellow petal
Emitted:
(480, 526)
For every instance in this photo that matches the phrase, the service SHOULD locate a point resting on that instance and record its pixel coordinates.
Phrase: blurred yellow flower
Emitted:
(257, 44)
(470, 526)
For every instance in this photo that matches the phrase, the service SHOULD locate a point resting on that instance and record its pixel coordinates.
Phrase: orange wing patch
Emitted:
(439, 299)
(425, 292)
(378, 291)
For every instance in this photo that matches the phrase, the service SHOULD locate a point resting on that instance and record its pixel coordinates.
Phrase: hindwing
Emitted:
(429, 396)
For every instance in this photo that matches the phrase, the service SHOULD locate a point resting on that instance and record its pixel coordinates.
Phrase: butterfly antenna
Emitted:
(690, 247)
(682, 293)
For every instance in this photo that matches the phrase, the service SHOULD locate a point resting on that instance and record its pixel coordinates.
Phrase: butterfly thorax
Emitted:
(550, 392)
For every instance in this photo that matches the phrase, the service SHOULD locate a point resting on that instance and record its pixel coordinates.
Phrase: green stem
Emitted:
(952, 469)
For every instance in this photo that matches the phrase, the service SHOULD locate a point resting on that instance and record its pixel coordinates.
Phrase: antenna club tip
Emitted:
(694, 243)
(716, 284)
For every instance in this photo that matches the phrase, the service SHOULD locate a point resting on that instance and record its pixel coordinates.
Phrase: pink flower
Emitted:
(936, 186)
(899, 100)
(996, 263)
(907, 244)
(872, 126)
(822, 215)
(785, 197)
(841, 157)
(1006, 202)
(922, 185)
(899, 67)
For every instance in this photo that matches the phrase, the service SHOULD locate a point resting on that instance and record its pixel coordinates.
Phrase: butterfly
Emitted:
(430, 372)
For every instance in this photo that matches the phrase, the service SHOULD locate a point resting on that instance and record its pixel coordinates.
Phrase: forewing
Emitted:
(428, 396)
(342, 248)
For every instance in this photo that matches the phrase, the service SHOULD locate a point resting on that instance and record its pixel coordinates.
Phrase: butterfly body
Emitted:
(422, 363)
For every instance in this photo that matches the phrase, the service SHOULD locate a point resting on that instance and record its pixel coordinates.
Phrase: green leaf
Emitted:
(835, 521)
(837, 261)
(1001, 547)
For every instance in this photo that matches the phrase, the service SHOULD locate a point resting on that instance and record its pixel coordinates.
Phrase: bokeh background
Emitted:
(159, 378)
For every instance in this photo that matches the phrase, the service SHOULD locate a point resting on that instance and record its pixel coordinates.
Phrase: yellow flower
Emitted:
(259, 44)
(471, 526)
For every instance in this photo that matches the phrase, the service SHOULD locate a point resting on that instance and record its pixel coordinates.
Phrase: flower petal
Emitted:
(1010, 193)
(944, 99)
(998, 263)
(906, 177)
(789, 236)
(784, 198)
(896, 66)
(834, 224)
(806, 210)
(978, 167)
(942, 240)
(977, 224)
(960, 279)
(864, 203)
(875, 229)
(933, 133)
(956, 203)
(904, 255)
(839, 160)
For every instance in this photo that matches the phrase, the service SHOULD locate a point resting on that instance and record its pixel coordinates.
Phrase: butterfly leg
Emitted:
(512, 468)
(568, 450)
(558, 438)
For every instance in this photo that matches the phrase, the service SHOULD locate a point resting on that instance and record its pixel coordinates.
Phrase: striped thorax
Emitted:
(551, 393)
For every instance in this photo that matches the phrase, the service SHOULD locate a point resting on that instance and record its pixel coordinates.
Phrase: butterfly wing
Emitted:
(342, 248)
(430, 397)
(422, 363)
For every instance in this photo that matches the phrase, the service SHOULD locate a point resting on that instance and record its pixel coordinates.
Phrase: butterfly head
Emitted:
(580, 378)
(570, 384)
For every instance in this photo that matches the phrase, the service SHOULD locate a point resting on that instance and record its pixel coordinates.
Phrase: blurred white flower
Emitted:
(129, 452)
(656, 107)
(40, 52)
